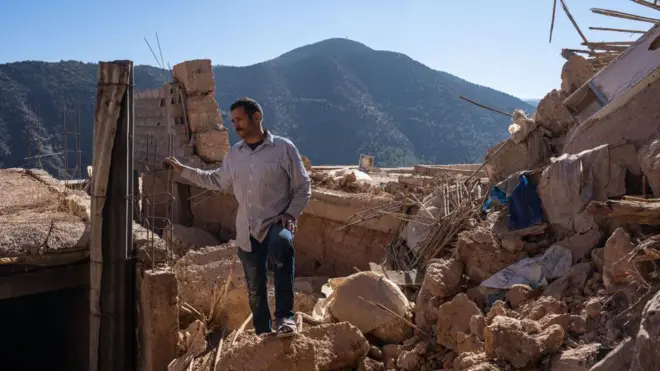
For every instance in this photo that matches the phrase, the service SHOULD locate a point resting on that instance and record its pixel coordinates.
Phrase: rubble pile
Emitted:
(552, 266)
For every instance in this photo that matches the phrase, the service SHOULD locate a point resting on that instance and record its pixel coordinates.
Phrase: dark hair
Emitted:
(249, 105)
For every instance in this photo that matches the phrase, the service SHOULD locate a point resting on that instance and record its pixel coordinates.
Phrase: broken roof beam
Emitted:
(607, 46)
(617, 14)
(570, 17)
(616, 30)
(652, 5)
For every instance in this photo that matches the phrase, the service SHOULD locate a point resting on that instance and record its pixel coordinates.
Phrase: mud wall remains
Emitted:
(321, 249)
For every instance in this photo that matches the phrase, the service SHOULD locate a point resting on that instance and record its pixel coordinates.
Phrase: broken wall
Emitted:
(321, 249)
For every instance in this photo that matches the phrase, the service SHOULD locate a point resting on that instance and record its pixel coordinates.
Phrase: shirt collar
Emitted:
(267, 140)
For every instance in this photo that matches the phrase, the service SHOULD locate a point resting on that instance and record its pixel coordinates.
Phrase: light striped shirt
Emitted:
(268, 181)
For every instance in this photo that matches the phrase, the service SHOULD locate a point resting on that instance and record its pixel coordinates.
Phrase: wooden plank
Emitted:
(627, 211)
(623, 15)
(49, 279)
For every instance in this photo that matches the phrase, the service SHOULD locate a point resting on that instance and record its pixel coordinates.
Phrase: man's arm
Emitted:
(300, 182)
(216, 180)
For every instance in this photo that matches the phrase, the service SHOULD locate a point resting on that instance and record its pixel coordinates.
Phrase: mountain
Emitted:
(335, 99)
(532, 102)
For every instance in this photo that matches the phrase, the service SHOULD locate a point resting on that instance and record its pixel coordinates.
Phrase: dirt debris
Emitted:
(506, 339)
(454, 317)
(320, 348)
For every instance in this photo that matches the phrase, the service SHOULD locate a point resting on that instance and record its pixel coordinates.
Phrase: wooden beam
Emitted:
(44, 280)
(638, 212)
(617, 30)
(617, 14)
(552, 22)
(486, 107)
(653, 5)
(570, 17)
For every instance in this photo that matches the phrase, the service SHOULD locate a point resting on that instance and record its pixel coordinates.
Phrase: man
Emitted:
(272, 187)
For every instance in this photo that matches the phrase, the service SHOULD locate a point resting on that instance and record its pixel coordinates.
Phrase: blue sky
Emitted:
(500, 44)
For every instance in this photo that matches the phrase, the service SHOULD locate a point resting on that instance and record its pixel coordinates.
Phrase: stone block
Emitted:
(203, 113)
(159, 319)
(196, 76)
(212, 145)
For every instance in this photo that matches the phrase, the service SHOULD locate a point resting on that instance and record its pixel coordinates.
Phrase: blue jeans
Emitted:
(278, 246)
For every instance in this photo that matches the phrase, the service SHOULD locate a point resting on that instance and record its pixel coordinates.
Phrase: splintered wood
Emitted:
(460, 204)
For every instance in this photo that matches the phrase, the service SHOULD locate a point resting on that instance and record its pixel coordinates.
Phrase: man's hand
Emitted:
(288, 222)
(173, 163)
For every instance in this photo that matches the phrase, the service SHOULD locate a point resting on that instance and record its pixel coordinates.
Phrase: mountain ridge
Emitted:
(335, 99)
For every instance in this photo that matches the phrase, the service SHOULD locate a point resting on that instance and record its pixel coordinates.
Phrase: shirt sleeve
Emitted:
(300, 183)
(215, 180)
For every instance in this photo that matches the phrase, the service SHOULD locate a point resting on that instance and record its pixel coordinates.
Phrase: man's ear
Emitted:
(256, 117)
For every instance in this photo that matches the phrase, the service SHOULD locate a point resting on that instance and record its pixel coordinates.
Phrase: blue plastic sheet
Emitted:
(525, 208)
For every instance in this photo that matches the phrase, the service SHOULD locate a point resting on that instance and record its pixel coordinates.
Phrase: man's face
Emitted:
(243, 124)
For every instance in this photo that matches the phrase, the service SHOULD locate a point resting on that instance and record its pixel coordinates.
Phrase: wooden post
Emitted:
(112, 268)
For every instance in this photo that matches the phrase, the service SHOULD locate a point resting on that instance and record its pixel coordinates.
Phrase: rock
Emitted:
(581, 358)
(468, 343)
(443, 277)
(575, 73)
(477, 250)
(395, 331)
(530, 326)
(408, 360)
(473, 362)
(570, 323)
(391, 353)
(506, 339)
(477, 326)
(593, 308)
(649, 161)
(203, 113)
(212, 145)
(616, 267)
(484, 296)
(324, 347)
(183, 238)
(519, 294)
(563, 320)
(369, 364)
(552, 114)
(537, 309)
(196, 76)
(499, 309)
(349, 305)
(646, 356)
(454, 317)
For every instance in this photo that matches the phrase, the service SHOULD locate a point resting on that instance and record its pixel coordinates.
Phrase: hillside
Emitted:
(335, 99)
